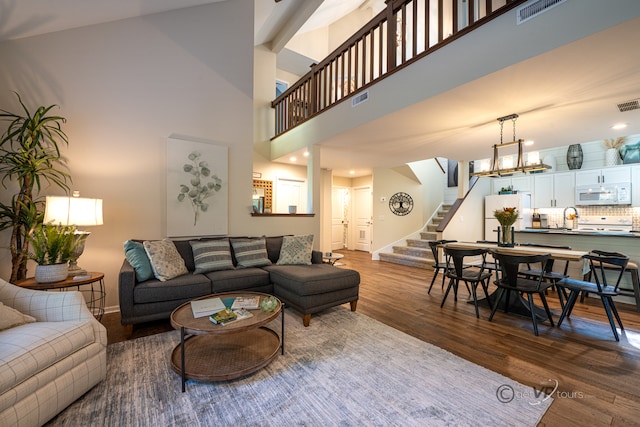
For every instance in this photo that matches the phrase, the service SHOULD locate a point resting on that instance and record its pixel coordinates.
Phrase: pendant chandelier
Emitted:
(520, 167)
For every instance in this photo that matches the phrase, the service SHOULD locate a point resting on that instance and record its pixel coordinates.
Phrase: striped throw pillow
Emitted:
(211, 255)
(250, 252)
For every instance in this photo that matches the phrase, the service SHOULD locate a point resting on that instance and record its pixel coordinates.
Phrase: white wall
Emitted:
(388, 227)
(124, 87)
(431, 177)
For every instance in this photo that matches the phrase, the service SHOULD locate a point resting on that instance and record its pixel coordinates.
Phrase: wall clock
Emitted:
(401, 204)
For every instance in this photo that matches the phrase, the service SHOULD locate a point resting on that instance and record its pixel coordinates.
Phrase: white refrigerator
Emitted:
(521, 201)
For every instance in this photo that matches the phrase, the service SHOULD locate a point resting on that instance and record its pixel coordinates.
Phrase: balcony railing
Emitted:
(406, 31)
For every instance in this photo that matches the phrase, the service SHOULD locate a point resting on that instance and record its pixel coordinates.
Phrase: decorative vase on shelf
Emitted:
(506, 236)
(612, 157)
(574, 156)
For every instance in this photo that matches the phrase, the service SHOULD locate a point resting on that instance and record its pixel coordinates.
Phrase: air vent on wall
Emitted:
(360, 98)
(532, 9)
(629, 105)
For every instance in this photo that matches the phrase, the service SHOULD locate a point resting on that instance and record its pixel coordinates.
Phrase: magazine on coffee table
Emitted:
(205, 307)
(249, 303)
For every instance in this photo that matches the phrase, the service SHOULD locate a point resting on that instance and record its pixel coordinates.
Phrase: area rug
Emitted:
(344, 369)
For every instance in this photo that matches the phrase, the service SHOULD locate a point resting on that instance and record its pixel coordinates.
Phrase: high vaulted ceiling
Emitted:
(565, 93)
(564, 96)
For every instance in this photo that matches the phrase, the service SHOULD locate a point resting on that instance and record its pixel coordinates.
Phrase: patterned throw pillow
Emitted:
(250, 252)
(136, 255)
(211, 255)
(165, 259)
(296, 250)
(10, 317)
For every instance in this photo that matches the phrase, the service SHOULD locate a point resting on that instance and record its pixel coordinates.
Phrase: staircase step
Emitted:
(413, 251)
(419, 243)
(428, 235)
(407, 260)
(432, 227)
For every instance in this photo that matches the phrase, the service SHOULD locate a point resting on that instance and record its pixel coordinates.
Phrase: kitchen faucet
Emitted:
(564, 215)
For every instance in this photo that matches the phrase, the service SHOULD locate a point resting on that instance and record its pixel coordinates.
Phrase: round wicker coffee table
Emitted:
(208, 352)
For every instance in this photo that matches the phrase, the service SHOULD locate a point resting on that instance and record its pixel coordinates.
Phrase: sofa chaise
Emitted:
(48, 362)
(234, 264)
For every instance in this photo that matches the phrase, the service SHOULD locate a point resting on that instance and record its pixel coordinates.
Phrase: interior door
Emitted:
(362, 201)
(291, 192)
(339, 222)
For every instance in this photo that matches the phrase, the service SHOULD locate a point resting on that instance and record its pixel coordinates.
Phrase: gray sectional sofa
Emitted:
(306, 288)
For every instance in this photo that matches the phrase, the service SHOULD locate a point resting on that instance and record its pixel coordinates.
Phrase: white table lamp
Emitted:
(78, 211)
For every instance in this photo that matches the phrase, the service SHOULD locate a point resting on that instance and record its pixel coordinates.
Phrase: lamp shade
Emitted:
(78, 211)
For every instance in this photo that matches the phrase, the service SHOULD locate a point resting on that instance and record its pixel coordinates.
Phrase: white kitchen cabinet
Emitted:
(601, 176)
(554, 190)
(522, 183)
(635, 185)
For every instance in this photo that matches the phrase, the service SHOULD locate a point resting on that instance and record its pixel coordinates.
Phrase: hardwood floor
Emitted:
(599, 378)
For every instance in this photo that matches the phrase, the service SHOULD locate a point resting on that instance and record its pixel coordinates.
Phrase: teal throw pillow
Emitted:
(136, 255)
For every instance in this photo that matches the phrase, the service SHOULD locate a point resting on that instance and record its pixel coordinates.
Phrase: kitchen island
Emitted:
(623, 242)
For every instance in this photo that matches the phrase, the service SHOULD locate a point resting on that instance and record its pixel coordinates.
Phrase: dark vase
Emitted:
(574, 156)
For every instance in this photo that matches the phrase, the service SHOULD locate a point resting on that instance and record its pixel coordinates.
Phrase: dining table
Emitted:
(517, 304)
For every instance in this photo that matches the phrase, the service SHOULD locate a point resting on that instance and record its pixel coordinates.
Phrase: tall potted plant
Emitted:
(29, 156)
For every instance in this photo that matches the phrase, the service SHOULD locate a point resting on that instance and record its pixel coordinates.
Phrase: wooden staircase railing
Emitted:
(407, 30)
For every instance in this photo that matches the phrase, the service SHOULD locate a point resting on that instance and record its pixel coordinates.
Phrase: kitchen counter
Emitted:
(586, 241)
(569, 231)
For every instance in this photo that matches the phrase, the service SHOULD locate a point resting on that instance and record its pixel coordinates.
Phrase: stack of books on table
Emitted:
(226, 316)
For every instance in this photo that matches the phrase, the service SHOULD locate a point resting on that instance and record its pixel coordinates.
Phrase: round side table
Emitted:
(331, 257)
(94, 293)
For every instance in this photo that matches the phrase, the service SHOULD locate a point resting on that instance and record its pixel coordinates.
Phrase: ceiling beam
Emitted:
(294, 23)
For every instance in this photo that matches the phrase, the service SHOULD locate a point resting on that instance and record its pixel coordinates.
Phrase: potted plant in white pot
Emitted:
(52, 248)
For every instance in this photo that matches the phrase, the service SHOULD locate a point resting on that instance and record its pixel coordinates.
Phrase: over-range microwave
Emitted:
(604, 194)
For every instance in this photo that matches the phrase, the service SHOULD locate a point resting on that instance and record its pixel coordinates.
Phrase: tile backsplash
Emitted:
(555, 214)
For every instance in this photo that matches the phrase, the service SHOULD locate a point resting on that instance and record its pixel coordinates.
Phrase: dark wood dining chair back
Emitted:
(599, 261)
(511, 284)
(471, 275)
(438, 265)
(632, 269)
(509, 266)
(598, 284)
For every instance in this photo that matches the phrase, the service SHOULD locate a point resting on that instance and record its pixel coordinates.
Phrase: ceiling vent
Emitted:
(629, 105)
(360, 98)
(535, 8)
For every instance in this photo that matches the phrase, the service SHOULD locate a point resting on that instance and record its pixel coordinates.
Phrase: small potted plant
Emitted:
(52, 248)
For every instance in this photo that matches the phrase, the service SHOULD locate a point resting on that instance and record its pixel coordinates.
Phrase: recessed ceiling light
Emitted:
(352, 172)
(306, 154)
(292, 159)
(529, 142)
(619, 126)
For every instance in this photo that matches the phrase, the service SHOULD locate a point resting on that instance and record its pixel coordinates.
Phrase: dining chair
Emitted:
(548, 275)
(489, 263)
(632, 269)
(599, 263)
(512, 285)
(456, 270)
(437, 265)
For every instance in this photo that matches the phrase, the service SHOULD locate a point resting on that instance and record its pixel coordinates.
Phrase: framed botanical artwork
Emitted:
(197, 188)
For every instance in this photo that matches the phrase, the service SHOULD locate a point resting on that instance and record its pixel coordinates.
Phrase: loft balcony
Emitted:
(565, 71)
(405, 32)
